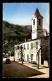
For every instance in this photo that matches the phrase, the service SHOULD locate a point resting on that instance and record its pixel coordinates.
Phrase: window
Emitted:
(17, 47)
(27, 46)
(24, 55)
(31, 45)
(39, 21)
(21, 47)
(31, 57)
(36, 45)
(34, 22)
(24, 46)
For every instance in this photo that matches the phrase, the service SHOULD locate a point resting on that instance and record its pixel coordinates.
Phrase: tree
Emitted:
(21, 54)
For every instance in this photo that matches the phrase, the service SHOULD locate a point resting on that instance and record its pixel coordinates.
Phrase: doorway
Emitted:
(31, 57)
(28, 58)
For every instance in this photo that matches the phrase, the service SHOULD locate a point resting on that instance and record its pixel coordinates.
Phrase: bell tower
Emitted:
(37, 25)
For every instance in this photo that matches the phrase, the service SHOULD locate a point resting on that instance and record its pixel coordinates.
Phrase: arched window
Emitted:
(33, 21)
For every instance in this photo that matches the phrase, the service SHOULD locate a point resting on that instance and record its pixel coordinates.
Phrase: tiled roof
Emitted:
(37, 12)
(27, 40)
(23, 41)
(31, 40)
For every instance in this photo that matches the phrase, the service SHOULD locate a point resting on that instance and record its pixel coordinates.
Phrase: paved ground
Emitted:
(17, 70)
(41, 68)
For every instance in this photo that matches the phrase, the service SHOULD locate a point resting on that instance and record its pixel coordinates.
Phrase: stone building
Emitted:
(31, 46)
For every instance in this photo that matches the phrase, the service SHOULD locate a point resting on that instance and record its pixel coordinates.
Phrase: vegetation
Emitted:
(13, 34)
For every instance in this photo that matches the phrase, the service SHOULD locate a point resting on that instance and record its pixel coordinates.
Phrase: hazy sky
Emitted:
(21, 13)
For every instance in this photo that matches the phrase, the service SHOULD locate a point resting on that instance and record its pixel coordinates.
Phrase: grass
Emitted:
(16, 70)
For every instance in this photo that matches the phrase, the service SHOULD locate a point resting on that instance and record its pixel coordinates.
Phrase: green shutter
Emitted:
(27, 46)
(36, 45)
(24, 46)
(31, 45)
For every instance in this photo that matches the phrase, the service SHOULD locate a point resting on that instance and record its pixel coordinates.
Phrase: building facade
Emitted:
(32, 46)
(29, 50)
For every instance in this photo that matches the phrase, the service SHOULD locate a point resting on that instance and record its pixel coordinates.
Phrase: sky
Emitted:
(21, 13)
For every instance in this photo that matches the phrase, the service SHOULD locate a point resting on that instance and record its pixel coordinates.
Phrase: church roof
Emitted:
(37, 12)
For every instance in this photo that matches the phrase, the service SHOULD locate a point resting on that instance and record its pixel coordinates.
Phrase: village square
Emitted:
(31, 57)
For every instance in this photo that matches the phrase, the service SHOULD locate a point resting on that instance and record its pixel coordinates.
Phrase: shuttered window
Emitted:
(27, 46)
(36, 45)
(24, 46)
(31, 45)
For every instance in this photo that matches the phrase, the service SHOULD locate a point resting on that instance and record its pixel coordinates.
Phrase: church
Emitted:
(31, 47)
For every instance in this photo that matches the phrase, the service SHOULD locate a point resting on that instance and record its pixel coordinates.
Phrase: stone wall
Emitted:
(45, 51)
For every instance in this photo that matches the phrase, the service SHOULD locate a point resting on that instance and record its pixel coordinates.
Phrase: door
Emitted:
(27, 57)
(31, 57)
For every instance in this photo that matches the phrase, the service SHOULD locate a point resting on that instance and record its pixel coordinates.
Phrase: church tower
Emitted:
(37, 25)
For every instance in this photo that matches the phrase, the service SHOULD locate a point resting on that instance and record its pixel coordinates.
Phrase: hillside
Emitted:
(12, 29)
(15, 30)
(14, 33)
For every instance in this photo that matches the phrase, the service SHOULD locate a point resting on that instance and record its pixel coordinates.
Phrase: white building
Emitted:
(31, 47)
